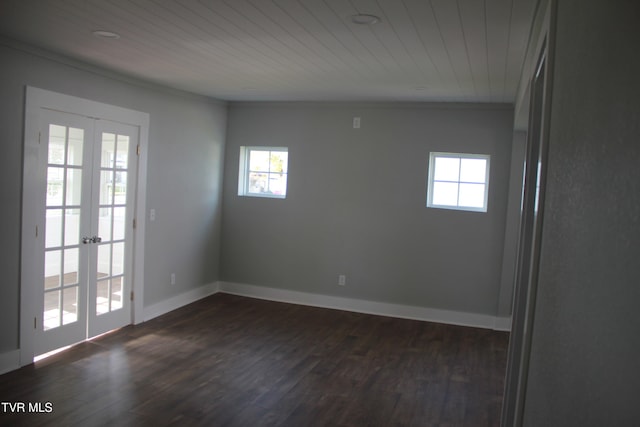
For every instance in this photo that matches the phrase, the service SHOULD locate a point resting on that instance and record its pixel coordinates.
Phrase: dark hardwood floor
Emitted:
(233, 361)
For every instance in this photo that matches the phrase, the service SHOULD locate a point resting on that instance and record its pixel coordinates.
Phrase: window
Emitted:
(458, 181)
(263, 172)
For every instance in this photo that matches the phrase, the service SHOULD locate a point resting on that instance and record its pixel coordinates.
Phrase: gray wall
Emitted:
(585, 368)
(356, 204)
(185, 161)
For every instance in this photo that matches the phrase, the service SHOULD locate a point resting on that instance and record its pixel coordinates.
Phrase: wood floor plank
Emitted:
(233, 361)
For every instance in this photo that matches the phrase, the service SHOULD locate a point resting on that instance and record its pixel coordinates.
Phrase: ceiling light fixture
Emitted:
(105, 35)
(365, 19)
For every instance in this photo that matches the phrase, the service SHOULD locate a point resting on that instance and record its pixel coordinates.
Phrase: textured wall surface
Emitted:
(585, 369)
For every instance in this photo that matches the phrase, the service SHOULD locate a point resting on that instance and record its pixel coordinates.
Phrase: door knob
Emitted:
(94, 239)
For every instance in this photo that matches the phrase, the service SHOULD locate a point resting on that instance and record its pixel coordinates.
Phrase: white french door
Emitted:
(87, 181)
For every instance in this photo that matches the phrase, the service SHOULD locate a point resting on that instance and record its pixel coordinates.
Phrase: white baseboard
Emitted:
(178, 301)
(9, 361)
(502, 324)
(367, 307)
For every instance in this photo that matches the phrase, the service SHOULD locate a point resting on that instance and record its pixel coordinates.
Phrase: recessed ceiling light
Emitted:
(107, 35)
(365, 19)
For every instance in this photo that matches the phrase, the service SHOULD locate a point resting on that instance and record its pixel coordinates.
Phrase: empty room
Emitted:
(320, 212)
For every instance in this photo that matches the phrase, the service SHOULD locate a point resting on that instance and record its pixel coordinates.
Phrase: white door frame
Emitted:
(538, 104)
(30, 282)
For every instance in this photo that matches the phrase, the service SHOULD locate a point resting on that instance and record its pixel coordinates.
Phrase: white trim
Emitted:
(363, 306)
(502, 324)
(178, 301)
(9, 361)
(139, 232)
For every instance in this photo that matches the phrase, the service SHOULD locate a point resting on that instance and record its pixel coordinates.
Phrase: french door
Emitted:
(87, 183)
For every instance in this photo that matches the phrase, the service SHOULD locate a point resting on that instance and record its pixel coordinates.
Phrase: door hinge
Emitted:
(36, 231)
(135, 223)
(39, 137)
(131, 295)
(138, 150)
(35, 323)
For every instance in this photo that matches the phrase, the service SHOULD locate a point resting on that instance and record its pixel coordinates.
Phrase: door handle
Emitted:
(94, 239)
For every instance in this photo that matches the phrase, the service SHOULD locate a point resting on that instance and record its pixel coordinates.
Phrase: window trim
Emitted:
(431, 173)
(243, 172)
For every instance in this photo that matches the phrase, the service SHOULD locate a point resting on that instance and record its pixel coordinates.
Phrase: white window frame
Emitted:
(461, 156)
(243, 174)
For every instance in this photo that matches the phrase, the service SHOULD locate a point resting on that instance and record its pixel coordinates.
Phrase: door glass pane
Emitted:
(122, 156)
(117, 259)
(72, 227)
(53, 228)
(102, 297)
(108, 148)
(51, 318)
(74, 152)
(57, 137)
(52, 267)
(119, 215)
(120, 188)
(104, 224)
(106, 187)
(74, 186)
(104, 260)
(55, 181)
(116, 293)
(71, 263)
(70, 305)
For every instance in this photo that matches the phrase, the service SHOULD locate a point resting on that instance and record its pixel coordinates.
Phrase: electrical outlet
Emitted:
(173, 278)
(152, 215)
(356, 122)
(342, 280)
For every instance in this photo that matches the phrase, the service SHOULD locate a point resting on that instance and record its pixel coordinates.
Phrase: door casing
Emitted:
(30, 282)
(540, 90)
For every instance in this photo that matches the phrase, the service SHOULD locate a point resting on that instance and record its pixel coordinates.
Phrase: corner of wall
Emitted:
(181, 300)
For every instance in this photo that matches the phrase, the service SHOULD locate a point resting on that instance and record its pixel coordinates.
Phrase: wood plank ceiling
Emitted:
(421, 50)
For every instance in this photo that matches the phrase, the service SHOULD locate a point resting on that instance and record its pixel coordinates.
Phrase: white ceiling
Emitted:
(422, 50)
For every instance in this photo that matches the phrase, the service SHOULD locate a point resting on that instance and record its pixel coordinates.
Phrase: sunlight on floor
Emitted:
(51, 353)
(58, 350)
